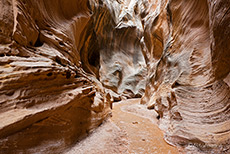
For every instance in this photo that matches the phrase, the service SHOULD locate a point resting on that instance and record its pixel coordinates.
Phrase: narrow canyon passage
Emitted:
(130, 130)
(164, 66)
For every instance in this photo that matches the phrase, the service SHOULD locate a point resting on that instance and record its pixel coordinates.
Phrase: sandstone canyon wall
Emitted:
(47, 99)
(64, 62)
(56, 58)
(188, 59)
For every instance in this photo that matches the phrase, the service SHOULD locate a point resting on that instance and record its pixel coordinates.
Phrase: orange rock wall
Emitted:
(63, 63)
(188, 59)
(47, 100)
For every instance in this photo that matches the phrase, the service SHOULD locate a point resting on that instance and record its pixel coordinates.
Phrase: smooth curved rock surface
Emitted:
(118, 30)
(47, 99)
(187, 54)
(63, 63)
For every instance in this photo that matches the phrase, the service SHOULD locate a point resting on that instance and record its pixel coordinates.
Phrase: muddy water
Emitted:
(131, 130)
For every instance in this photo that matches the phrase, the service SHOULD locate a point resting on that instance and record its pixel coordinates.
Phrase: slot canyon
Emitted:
(115, 76)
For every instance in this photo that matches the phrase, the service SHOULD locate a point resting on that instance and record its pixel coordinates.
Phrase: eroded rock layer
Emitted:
(47, 100)
(118, 29)
(63, 62)
(188, 59)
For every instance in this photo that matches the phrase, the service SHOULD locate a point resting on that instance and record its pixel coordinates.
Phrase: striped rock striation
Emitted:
(48, 100)
(63, 63)
(188, 59)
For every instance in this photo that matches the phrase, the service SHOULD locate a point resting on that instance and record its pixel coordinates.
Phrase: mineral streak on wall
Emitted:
(63, 62)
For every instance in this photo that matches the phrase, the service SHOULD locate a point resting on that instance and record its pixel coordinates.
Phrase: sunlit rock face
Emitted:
(188, 60)
(118, 31)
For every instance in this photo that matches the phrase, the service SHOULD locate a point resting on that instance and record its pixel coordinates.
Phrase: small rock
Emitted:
(134, 122)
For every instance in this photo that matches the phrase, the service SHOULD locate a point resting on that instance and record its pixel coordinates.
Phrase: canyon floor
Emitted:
(131, 129)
